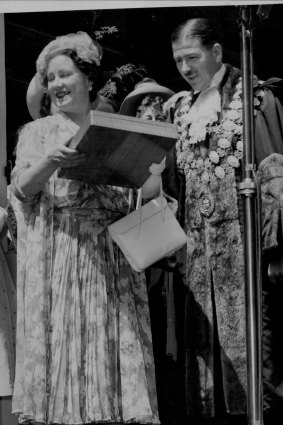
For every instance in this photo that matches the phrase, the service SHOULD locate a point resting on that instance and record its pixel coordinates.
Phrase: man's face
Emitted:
(197, 64)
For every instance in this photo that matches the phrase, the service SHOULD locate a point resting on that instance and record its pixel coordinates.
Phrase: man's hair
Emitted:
(197, 28)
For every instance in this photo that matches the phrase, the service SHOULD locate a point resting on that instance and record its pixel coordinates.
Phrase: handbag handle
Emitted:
(139, 202)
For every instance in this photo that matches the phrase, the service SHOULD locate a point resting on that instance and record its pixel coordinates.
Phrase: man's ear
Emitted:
(217, 52)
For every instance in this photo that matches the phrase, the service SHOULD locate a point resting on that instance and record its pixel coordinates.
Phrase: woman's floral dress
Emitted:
(84, 350)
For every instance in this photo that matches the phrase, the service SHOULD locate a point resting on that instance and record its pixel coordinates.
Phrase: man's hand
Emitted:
(275, 268)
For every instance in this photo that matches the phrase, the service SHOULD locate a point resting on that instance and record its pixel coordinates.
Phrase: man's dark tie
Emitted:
(195, 96)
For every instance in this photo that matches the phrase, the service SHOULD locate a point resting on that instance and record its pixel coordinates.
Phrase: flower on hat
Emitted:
(81, 43)
(122, 81)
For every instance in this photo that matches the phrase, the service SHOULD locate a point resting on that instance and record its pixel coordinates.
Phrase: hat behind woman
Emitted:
(144, 87)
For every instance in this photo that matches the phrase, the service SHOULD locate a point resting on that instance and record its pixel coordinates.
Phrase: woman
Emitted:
(84, 352)
(165, 288)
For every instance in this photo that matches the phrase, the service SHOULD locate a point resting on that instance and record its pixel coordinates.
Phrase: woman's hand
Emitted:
(65, 157)
(31, 181)
(151, 187)
(157, 169)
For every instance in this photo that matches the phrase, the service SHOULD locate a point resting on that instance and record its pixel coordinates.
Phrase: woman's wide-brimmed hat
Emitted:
(34, 95)
(144, 87)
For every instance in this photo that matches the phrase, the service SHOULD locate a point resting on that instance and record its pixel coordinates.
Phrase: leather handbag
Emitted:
(149, 233)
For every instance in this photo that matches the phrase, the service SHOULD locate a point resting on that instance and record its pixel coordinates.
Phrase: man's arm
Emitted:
(269, 120)
(269, 156)
(270, 178)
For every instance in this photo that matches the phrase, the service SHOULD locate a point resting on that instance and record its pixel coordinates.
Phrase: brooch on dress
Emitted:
(206, 205)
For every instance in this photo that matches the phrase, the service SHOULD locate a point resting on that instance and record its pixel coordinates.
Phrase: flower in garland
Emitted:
(219, 172)
(233, 161)
(221, 152)
(229, 125)
(205, 176)
(214, 157)
(236, 104)
(240, 145)
(190, 157)
(224, 143)
(233, 115)
(199, 163)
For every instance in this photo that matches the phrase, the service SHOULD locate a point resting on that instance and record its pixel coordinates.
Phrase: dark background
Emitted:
(143, 37)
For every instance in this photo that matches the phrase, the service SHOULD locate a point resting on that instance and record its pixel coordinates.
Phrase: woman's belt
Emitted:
(91, 213)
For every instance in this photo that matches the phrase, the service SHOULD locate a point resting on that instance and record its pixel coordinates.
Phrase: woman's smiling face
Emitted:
(67, 85)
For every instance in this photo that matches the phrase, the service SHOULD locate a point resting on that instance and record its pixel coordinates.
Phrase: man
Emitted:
(208, 157)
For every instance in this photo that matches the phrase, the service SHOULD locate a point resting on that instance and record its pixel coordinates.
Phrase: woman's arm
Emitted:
(31, 180)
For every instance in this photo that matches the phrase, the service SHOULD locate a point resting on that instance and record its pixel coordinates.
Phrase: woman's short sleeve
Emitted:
(29, 149)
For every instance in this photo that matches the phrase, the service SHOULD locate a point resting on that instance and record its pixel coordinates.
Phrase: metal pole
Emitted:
(247, 188)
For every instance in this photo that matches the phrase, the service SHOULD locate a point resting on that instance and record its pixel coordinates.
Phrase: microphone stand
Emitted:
(248, 190)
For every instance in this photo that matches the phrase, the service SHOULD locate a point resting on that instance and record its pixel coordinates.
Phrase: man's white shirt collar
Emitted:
(216, 79)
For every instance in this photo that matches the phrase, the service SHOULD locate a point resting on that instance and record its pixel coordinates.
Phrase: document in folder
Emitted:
(119, 149)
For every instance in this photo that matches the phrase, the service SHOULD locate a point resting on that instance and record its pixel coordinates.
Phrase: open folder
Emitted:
(119, 149)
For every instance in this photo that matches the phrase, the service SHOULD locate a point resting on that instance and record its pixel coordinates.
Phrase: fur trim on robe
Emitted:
(270, 176)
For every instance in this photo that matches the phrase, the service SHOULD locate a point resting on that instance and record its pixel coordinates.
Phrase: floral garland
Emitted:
(225, 130)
